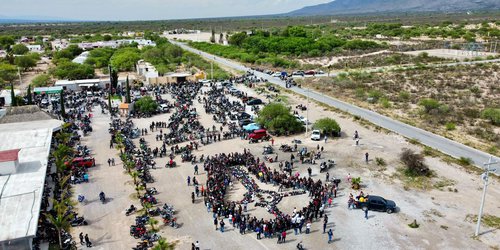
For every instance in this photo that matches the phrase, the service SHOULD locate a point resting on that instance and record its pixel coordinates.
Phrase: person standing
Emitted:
(222, 225)
(195, 169)
(330, 235)
(283, 236)
(366, 157)
(189, 180)
(109, 162)
(81, 238)
(87, 241)
(325, 221)
(197, 245)
(366, 213)
(216, 222)
(112, 161)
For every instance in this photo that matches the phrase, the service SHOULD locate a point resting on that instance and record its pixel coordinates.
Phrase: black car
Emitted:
(244, 116)
(244, 122)
(377, 203)
(254, 102)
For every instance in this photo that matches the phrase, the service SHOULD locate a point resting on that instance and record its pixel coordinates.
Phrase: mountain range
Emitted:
(380, 6)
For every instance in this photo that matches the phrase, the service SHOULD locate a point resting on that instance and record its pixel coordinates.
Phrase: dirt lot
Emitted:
(453, 53)
(440, 213)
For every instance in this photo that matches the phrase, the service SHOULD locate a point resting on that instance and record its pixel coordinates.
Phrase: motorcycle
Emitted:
(171, 165)
(130, 210)
(151, 191)
(79, 221)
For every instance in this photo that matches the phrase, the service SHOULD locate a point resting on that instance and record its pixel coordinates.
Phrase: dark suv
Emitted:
(376, 203)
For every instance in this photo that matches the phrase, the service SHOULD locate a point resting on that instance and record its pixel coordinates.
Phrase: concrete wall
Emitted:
(8, 167)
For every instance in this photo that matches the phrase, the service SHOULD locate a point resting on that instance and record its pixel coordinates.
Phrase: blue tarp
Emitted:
(251, 127)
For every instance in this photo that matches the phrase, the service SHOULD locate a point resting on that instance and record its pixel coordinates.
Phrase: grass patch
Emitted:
(487, 220)
(463, 161)
(410, 182)
(444, 182)
(380, 161)
(413, 141)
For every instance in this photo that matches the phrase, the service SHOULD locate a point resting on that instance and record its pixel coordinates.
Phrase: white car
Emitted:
(302, 119)
(316, 135)
(277, 74)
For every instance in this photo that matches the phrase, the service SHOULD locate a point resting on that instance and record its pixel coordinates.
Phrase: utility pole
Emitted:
(19, 73)
(307, 113)
(211, 70)
(485, 179)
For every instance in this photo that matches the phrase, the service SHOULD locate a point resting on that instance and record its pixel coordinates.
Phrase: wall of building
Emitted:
(7, 167)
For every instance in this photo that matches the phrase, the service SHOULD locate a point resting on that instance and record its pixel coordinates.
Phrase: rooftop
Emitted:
(21, 193)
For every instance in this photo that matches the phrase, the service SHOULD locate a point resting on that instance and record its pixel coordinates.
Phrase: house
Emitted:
(3, 53)
(125, 109)
(79, 85)
(5, 97)
(37, 48)
(59, 44)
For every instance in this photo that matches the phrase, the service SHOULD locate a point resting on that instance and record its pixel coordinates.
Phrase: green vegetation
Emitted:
(68, 53)
(6, 42)
(277, 118)
(99, 58)
(124, 59)
(327, 126)
(20, 49)
(492, 114)
(8, 73)
(146, 105)
(487, 219)
(42, 80)
(27, 61)
(72, 71)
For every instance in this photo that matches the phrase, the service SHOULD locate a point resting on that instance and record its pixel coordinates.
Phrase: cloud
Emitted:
(147, 9)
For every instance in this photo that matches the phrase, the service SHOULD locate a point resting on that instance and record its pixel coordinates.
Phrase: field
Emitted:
(460, 93)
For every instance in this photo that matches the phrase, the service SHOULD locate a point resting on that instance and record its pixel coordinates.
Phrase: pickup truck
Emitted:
(376, 203)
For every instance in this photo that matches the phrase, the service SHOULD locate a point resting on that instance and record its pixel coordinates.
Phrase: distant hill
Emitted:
(380, 6)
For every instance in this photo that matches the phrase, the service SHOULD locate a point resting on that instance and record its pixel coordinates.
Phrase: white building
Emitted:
(79, 85)
(24, 152)
(5, 96)
(146, 70)
(37, 48)
(116, 43)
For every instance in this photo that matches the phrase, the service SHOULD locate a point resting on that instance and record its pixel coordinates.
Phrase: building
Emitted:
(115, 43)
(24, 153)
(5, 97)
(37, 48)
(82, 85)
(59, 44)
(176, 77)
(80, 59)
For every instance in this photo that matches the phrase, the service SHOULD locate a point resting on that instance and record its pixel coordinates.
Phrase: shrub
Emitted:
(429, 104)
(492, 114)
(277, 118)
(414, 163)
(465, 161)
(450, 126)
(404, 96)
(380, 161)
(327, 126)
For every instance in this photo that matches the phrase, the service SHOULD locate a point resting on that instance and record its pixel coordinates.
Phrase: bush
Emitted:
(465, 161)
(277, 118)
(42, 80)
(146, 105)
(492, 114)
(327, 126)
(380, 161)
(429, 104)
(450, 126)
(73, 71)
(20, 49)
(414, 163)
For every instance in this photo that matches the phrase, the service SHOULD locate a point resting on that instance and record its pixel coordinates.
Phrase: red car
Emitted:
(259, 134)
(81, 162)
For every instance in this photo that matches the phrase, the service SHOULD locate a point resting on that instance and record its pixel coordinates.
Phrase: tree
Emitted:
(109, 102)
(73, 71)
(13, 99)
(221, 38)
(6, 42)
(107, 37)
(277, 118)
(124, 59)
(63, 110)
(146, 105)
(7, 73)
(25, 62)
(152, 222)
(114, 78)
(60, 220)
(128, 100)
(30, 100)
(20, 49)
(162, 244)
(212, 37)
(237, 39)
(42, 80)
(327, 126)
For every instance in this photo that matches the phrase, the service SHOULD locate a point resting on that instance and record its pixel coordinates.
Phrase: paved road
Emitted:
(438, 142)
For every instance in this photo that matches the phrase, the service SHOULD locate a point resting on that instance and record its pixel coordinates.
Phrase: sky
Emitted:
(120, 10)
